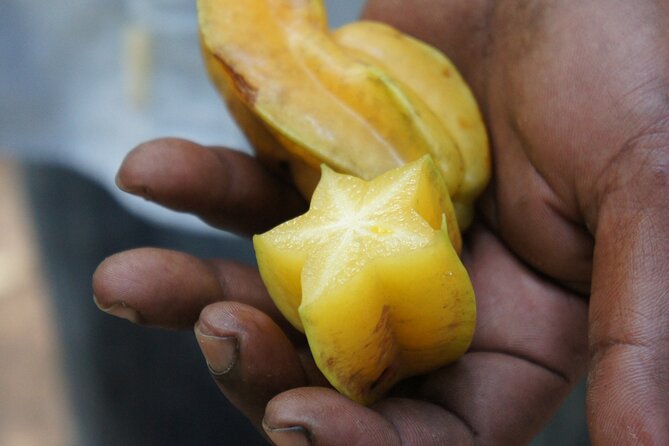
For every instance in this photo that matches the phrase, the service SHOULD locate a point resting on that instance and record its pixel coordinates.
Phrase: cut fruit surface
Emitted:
(371, 275)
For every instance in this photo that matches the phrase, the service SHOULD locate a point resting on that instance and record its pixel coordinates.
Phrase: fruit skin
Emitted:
(305, 96)
(377, 303)
(425, 322)
(312, 101)
(433, 77)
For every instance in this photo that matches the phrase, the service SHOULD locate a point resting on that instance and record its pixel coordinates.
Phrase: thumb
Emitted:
(320, 416)
(628, 393)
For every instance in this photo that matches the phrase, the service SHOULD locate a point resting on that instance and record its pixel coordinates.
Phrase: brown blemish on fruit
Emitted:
(246, 90)
(383, 320)
(383, 377)
(464, 123)
(382, 345)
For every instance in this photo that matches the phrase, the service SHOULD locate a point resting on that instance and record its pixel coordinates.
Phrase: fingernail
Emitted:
(120, 184)
(120, 309)
(139, 190)
(288, 436)
(220, 351)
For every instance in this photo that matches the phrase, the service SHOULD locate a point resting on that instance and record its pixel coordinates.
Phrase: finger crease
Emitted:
(603, 348)
(440, 403)
(528, 359)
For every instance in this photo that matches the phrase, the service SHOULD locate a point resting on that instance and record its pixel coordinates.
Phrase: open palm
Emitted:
(568, 260)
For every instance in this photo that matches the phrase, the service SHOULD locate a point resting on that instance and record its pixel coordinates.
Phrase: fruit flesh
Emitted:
(371, 276)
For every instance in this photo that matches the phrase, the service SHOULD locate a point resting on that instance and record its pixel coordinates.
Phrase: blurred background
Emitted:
(81, 84)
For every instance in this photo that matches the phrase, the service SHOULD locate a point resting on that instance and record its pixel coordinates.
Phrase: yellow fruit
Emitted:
(370, 275)
(371, 272)
(432, 77)
(306, 96)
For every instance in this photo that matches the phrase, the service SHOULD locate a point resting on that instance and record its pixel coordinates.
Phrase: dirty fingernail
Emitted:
(220, 351)
(288, 436)
(119, 309)
(120, 183)
(134, 189)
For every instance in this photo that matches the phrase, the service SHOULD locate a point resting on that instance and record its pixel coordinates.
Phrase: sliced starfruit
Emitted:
(305, 96)
(371, 276)
(432, 77)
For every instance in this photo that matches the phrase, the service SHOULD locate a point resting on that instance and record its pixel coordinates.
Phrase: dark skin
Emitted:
(569, 259)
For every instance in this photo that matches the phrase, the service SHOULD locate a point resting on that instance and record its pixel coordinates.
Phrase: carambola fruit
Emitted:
(371, 276)
(371, 272)
(362, 99)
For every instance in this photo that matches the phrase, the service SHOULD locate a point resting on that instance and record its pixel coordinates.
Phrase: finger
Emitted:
(321, 416)
(523, 314)
(498, 399)
(225, 188)
(423, 423)
(628, 392)
(249, 356)
(169, 289)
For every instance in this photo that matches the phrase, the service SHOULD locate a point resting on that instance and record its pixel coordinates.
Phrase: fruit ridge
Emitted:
(371, 276)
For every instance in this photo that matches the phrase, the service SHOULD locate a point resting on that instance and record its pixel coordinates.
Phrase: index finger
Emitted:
(225, 188)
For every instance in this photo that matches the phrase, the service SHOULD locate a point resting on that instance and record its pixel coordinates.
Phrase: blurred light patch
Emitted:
(33, 406)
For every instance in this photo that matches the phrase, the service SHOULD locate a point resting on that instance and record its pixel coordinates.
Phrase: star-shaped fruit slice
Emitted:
(371, 274)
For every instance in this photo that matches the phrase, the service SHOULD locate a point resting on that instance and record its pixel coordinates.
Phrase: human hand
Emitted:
(528, 351)
(575, 98)
(559, 170)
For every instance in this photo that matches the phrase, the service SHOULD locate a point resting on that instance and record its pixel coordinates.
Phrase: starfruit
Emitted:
(362, 100)
(371, 276)
(432, 77)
